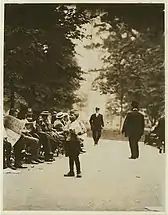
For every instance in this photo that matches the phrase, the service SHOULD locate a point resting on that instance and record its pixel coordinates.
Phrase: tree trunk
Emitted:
(12, 97)
(121, 111)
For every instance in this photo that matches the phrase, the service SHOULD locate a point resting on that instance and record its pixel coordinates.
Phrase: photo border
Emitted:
(2, 3)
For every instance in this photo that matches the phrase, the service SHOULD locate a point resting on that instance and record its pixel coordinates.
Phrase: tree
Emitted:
(115, 76)
(39, 53)
(134, 68)
(131, 14)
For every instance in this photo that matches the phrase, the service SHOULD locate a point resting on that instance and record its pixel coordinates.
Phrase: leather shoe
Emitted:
(83, 151)
(4, 166)
(12, 167)
(20, 166)
(69, 174)
(49, 160)
(39, 161)
(79, 175)
(34, 162)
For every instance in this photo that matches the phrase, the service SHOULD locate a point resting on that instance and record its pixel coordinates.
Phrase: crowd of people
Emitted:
(43, 137)
(46, 135)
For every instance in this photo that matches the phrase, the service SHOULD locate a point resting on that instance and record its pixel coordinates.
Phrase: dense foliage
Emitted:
(139, 16)
(39, 58)
(39, 54)
(134, 66)
(136, 71)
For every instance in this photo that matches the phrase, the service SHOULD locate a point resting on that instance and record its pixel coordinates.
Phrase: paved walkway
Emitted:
(110, 181)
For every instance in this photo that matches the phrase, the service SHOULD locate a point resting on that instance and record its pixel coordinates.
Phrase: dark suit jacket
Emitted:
(96, 122)
(160, 129)
(134, 124)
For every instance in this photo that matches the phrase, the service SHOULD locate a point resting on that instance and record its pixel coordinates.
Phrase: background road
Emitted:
(110, 181)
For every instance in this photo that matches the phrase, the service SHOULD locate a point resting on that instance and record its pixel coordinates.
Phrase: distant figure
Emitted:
(160, 132)
(96, 123)
(133, 128)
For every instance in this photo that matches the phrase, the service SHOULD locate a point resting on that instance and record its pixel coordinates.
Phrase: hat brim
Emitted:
(59, 117)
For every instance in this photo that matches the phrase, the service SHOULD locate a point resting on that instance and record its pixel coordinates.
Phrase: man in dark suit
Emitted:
(96, 123)
(133, 128)
(160, 132)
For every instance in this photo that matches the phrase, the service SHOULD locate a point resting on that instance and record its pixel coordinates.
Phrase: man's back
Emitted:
(134, 123)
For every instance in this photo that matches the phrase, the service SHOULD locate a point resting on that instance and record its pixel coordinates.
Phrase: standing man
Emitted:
(133, 128)
(73, 147)
(96, 123)
(82, 134)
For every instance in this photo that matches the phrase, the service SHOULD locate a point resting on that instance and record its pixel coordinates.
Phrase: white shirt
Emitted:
(97, 114)
(75, 126)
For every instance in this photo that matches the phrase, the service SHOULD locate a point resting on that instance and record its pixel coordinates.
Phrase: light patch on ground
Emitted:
(110, 181)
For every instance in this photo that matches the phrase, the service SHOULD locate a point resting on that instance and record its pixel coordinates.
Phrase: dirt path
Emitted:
(110, 181)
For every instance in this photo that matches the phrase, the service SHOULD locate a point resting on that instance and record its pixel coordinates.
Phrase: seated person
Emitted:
(7, 152)
(160, 132)
(58, 124)
(18, 147)
(60, 127)
(26, 141)
(43, 129)
(53, 117)
(65, 119)
(151, 136)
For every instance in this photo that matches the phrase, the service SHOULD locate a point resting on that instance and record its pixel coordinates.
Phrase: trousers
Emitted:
(7, 149)
(133, 143)
(96, 134)
(46, 143)
(18, 147)
(33, 144)
(23, 143)
(74, 159)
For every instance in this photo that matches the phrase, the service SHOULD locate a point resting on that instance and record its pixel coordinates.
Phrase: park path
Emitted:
(110, 181)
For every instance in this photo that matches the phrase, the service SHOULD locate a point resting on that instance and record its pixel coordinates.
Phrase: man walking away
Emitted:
(133, 128)
(96, 123)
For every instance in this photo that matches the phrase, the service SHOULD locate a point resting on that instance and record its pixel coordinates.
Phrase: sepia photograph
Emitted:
(84, 107)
